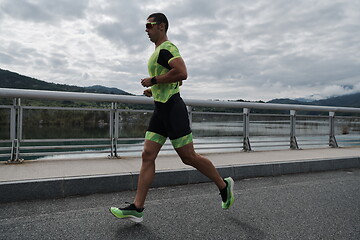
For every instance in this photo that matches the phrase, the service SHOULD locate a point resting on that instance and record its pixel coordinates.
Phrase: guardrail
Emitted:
(28, 147)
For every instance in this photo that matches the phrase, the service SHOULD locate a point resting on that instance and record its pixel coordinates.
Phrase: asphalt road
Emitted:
(305, 206)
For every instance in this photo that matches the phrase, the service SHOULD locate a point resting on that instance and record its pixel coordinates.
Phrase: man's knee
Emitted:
(150, 151)
(149, 154)
(189, 159)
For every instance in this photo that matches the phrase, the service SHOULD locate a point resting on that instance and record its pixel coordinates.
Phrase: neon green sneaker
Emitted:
(227, 194)
(130, 212)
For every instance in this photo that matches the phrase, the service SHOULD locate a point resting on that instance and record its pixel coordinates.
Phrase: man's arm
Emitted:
(177, 73)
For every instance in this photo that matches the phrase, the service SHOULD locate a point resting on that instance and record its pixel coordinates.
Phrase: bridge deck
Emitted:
(44, 169)
(32, 179)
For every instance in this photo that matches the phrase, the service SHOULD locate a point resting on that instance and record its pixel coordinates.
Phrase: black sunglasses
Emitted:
(150, 25)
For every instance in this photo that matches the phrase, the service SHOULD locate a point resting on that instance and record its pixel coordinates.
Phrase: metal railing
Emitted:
(243, 136)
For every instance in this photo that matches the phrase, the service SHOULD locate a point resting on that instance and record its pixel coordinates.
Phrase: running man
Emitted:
(170, 119)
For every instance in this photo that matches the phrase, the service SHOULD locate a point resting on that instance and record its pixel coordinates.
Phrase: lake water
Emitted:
(209, 136)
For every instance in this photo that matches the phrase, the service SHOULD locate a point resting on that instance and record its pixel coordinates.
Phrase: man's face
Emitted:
(152, 29)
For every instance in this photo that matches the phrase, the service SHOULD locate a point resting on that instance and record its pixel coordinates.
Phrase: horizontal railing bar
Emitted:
(65, 140)
(312, 141)
(275, 145)
(321, 135)
(135, 110)
(130, 145)
(5, 106)
(348, 140)
(272, 122)
(270, 115)
(136, 150)
(218, 113)
(197, 148)
(308, 122)
(61, 153)
(130, 139)
(215, 147)
(5, 148)
(64, 147)
(66, 108)
(56, 95)
(268, 141)
(316, 144)
(337, 117)
(201, 143)
(312, 116)
(167, 144)
(74, 96)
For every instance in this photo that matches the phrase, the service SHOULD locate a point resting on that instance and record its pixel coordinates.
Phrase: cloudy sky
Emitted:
(233, 49)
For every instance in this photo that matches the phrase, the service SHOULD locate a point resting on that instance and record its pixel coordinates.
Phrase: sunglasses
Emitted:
(150, 25)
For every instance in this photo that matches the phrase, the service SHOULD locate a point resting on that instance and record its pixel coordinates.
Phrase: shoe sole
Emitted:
(231, 192)
(128, 217)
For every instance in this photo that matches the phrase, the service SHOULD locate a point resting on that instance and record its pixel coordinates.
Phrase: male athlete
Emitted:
(170, 119)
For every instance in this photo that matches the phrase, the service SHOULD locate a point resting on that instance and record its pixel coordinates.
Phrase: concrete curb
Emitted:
(86, 185)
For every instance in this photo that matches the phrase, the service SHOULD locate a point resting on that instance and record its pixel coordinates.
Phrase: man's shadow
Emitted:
(135, 231)
(251, 232)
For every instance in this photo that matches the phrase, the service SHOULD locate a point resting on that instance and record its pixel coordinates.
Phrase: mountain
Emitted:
(10, 79)
(107, 90)
(14, 80)
(350, 100)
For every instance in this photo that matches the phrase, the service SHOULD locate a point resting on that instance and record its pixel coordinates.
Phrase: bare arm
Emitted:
(177, 73)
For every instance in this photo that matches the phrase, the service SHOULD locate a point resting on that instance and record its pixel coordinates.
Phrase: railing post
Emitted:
(189, 109)
(293, 142)
(114, 129)
(246, 120)
(332, 139)
(13, 121)
(15, 131)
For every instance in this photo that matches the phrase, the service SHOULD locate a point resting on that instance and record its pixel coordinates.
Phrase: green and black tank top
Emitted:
(158, 64)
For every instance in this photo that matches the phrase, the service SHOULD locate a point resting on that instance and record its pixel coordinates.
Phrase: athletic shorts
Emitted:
(171, 120)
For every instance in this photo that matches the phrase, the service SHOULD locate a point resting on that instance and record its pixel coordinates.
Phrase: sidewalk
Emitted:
(42, 179)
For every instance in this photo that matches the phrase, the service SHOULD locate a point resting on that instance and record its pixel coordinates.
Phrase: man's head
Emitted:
(159, 18)
(156, 27)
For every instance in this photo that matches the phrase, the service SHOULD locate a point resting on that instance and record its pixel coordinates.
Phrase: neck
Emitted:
(161, 40)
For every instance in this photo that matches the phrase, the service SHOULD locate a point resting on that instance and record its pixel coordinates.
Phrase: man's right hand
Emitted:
(148, 92)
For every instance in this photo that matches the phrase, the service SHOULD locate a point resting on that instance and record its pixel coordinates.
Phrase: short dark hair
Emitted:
(161, 18)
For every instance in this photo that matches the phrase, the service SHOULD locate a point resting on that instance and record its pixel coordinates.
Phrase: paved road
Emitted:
(305, 206)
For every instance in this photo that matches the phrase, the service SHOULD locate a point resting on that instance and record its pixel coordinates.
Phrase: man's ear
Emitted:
(162, 26)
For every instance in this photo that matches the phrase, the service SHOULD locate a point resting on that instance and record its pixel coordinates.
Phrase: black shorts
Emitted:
(170, 119)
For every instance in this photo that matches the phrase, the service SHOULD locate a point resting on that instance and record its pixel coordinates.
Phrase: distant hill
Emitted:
(10, 79)
(350, 100)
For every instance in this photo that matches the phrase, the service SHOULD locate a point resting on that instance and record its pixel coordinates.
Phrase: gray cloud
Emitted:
(6, 59)
(43, 10)
(254, 50)
(24, 10)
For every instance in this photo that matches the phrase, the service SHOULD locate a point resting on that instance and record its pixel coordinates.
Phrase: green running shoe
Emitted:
(227, 194)
(130, 212)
